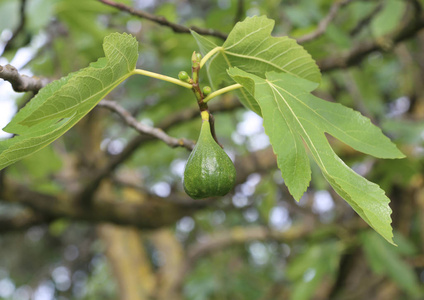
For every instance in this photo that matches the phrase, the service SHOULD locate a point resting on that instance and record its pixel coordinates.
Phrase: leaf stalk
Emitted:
(222, 91)
(209, 55)
(162, 77)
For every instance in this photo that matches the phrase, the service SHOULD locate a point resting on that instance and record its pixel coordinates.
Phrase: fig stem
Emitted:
(212, 125)
(203, 107)
(205, 115)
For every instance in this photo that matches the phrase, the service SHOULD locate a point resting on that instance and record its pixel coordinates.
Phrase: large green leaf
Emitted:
(251, 47)
(62, 103)
(292, 116)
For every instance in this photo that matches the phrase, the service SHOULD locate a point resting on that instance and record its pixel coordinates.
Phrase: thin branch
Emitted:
(21, 83)
(323, 24)
(240, 12)
(20, 27)
(359, 52)
(163, 21)
(145, 129)
(365, 21)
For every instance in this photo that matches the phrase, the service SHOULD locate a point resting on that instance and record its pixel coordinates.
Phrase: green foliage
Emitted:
(252, 58)
(388, 20)
(36, 170)
(318, 263)
(385, 259)
(315, 245)
(61, 104)
(289, 109)
(251, 47)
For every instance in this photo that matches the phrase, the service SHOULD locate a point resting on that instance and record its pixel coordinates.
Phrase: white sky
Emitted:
(7, 95)
(7, 106)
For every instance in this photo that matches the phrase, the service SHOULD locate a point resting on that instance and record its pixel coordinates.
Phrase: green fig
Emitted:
(209, 171)
(206, 90)
(183, 76)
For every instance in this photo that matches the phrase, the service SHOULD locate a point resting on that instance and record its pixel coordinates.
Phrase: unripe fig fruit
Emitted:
(209, 171)
(206, 90)
(183, 76)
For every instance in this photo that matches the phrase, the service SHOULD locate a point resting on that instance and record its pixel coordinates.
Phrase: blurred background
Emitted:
(137, 235)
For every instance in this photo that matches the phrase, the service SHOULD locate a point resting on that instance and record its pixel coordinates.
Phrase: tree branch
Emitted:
(359, 52)
(323, 24)
(145, 129)
(163, 21)
(148, 213)
(22, 221)
(21, 83)
(239, 235)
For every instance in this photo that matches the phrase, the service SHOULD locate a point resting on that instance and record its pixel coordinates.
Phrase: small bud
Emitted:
(206, 90)
(198, 57)
(183, 76)
(195, 59)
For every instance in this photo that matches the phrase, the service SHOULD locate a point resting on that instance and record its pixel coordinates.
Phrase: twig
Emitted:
(240, 11)
(366, 20)
(21, 83)
(145, 129)
(323, 24)
(163, 21)
(20, 27)
(358, 53)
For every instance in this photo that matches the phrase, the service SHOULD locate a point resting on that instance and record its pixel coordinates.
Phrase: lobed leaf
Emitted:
(292, 115)
(251, 48)
(62, 103)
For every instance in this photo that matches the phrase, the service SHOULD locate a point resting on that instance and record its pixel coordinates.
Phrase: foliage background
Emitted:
(255, 243)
